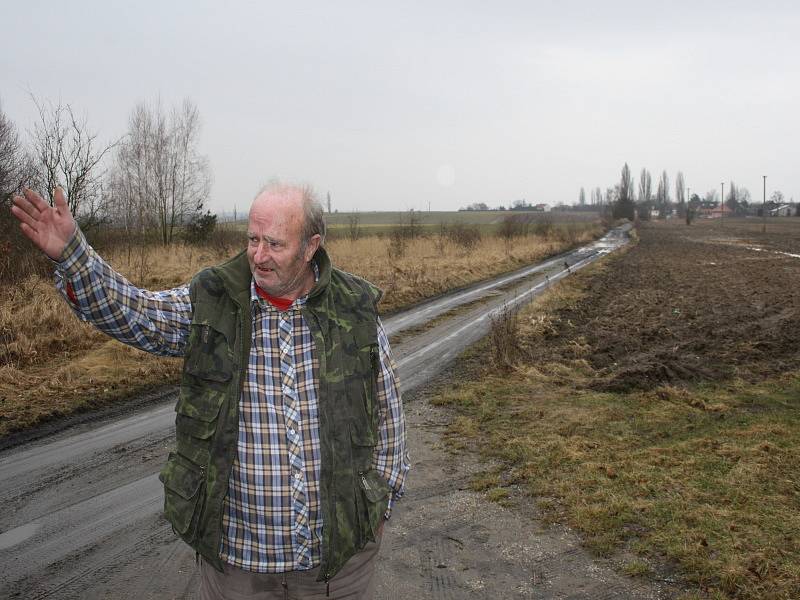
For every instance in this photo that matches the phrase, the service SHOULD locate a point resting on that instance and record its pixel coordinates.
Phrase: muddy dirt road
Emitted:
(82, 514)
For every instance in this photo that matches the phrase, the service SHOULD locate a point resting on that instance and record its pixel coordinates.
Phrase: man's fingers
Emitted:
(24, 205)
(35, 199)
(30, 233)
(61, 200)
(24, 217)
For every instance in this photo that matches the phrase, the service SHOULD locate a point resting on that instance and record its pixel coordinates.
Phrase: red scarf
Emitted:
(279, 303)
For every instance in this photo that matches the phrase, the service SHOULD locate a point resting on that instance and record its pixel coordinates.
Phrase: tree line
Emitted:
(627, 199)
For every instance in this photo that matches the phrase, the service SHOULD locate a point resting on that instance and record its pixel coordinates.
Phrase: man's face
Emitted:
(274, 245)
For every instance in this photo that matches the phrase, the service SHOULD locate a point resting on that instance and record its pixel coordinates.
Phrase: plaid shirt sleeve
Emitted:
(157, 322)
(391, 457)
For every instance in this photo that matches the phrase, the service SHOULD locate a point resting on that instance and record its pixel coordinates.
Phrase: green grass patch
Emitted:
(706, 477)
(636, 568)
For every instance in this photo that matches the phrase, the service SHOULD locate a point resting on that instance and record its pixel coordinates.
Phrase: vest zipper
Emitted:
(364, 482)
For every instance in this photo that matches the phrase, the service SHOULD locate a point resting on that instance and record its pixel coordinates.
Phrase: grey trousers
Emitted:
(354, 582)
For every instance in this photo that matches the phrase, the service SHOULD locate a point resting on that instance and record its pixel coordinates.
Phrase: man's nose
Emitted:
(262, 253)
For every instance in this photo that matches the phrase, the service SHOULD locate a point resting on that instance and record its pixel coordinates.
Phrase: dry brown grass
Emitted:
(51, 364)
(431, 266)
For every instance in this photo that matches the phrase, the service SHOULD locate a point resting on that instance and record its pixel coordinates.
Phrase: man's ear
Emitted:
(312, 246)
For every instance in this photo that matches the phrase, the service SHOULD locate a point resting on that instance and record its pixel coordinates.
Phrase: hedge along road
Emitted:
(83, 519)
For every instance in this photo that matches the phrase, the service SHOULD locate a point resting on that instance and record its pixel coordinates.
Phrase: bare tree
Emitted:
(353, 226)
(159, 177)
(11, 159)
(582, 197)
(16, 262)
(733, 197)
(743, 196)
(624, 206)
(66, 153)
(626, 184)
(645, 186)
(611, 195)
(680, 191)
(662, 195)
(776, 197)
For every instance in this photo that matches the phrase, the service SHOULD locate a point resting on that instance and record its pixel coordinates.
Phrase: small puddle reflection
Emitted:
(15, 536)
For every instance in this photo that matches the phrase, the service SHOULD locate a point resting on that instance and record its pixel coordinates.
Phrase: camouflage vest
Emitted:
(341, 314)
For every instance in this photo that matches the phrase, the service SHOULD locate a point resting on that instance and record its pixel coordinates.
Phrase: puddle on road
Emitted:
(15, 536)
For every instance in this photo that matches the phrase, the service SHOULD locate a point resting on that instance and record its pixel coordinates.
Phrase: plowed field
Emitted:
(705, 302)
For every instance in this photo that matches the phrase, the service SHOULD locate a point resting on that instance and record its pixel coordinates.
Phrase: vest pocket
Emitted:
(209, 358)
(371, 489)
(372, 499)
(183, 484)
(374, 486)
(196, 421)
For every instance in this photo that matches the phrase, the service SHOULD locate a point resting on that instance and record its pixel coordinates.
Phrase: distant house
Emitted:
(541, 207)
(784, 210)
(716, 212)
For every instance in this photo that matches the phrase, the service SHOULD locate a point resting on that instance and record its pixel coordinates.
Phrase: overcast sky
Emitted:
(397, 105)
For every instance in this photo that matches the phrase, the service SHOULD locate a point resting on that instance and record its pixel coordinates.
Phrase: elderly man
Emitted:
(289, 429)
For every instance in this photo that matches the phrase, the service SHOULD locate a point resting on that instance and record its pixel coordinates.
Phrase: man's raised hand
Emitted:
(49, 227)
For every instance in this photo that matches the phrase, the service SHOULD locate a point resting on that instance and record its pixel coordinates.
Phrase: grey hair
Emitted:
(314, 219)
(313, 214)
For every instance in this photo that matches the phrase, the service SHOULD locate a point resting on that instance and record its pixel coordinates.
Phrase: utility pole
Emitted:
(688, 206)
(722, 206)
(764, 208)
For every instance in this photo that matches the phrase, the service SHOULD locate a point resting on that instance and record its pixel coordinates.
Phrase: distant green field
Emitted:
(377, 222)
(469, 217)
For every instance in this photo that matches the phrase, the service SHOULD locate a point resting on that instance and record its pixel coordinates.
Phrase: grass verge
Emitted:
(703, 475)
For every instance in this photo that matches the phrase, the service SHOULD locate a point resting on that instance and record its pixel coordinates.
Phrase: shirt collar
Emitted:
(256, 299)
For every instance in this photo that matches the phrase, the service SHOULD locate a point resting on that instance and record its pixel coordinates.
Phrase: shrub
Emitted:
(398, 240)
(200, 228)
(353, 227)
(19, 258)
(543, 227)
(512, 226)
(464, 236)
(504, 338)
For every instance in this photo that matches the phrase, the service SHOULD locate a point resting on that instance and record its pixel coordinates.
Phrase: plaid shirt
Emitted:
(264, 528)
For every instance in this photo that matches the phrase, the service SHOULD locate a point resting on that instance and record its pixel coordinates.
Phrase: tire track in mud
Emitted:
(16, 495)
(72, 582)
(47, 541)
